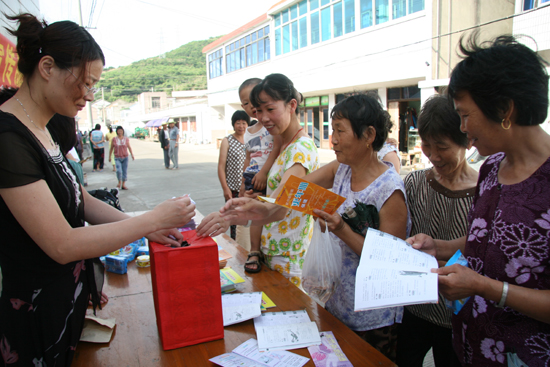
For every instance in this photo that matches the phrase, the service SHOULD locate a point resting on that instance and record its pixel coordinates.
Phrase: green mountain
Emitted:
(181, 69)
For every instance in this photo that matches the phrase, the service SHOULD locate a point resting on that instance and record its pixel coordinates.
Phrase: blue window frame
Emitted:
(293, 12)
(324, 2)
(267, 49)
(303, 32)
(248, 55)
(366, 13)
(325, 24)
(338, 26)
(278, 41)
(349, 16)
(382, 11)
(277, 20)
(295, 44)
(399, 8)
(315, 31)
(303, 7)
(261, 54)
(313, 4)
(286, 38)
(415, 5)
(285, 16)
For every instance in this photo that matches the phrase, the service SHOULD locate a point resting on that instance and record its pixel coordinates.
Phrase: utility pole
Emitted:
(88, 104)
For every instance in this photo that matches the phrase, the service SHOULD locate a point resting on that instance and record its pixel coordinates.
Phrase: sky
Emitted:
(132, 30)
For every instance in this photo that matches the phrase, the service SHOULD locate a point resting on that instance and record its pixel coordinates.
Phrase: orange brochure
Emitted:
(304, 196)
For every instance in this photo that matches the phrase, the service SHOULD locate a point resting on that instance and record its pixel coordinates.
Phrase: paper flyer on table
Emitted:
(240, 307)
(392, 273)
(248, 355)
(328, 354)
(281, 318)
(289, 336)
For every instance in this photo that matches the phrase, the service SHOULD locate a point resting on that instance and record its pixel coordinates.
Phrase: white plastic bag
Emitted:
(322, 266)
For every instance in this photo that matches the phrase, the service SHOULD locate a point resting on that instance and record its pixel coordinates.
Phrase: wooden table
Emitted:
(135, 341)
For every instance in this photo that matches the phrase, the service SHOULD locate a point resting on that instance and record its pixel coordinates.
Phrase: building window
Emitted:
(530, 4)
(329, 19)
(155, 102)
(248, 50)
(215, 63)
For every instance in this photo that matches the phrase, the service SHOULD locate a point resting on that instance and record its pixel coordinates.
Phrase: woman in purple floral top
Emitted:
(501, 93)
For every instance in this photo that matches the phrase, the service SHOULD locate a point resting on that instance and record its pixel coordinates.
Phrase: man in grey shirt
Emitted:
(174, 138)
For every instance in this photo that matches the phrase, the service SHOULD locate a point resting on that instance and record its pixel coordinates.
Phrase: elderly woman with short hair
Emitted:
(500, 91)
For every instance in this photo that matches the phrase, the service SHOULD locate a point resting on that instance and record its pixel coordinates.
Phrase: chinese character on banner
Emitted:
(9, 75)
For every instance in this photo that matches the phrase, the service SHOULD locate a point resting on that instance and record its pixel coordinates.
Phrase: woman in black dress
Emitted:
(47, 256)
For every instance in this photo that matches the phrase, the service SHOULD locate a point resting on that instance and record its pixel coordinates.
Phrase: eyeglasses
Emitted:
(89, 90)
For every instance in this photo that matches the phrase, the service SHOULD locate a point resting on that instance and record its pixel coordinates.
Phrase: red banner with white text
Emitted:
(9, 75)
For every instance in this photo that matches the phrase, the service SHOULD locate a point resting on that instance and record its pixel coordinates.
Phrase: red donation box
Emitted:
(187, 292)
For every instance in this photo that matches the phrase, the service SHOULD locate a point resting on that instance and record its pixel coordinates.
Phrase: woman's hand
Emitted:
(241, 210)
(167, 237)
(174, 213)
(212, 225)
(227, 194)
(334, 222)
(259, 181)
(457, 281)
(251, 194)
(424, 243)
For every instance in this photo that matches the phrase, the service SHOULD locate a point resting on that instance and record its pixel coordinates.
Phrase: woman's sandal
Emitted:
(258, 264)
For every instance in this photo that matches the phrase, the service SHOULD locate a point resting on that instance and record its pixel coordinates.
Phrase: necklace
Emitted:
(32, 122)
(291, 140)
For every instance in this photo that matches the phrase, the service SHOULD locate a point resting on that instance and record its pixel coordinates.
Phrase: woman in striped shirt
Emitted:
(439, 200)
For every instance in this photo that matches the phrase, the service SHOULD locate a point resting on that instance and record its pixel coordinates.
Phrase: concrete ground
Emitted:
(149, 183)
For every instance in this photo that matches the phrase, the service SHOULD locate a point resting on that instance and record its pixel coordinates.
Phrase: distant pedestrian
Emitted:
(231, 161)
(79, 143)
(98, 139)
(174, 140)
(109, 137)
(120, 145)
(164, 139)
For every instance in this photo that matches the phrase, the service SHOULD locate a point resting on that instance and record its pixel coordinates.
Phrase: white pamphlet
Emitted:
(281, 318)
(239, 307)
(392, 273)
(247, 354)
(289, 336)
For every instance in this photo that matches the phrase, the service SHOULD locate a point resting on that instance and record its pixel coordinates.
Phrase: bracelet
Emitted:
(502, 301)
(248, 224)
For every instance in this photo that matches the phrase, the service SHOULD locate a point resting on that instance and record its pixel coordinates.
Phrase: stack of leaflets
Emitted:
(392, 273)
(286, 330)
(239, 307)
(229, 280)
(456, 306)
(247, 354)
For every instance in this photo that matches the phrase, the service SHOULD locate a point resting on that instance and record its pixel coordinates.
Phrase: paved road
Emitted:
(149, 183)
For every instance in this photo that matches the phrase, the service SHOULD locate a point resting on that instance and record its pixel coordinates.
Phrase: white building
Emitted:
(402, 49)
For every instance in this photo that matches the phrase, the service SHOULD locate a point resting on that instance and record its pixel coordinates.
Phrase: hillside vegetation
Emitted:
(181, 69)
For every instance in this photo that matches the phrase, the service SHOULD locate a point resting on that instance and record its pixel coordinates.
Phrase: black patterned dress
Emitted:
(43, 303)
(234, 170)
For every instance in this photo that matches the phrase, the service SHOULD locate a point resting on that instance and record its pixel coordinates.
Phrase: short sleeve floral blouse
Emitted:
(292, 235)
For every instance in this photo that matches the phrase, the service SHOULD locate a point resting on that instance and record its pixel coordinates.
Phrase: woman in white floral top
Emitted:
(285, 239)
(360, 127)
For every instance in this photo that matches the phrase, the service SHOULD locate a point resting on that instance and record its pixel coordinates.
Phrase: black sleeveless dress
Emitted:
(43, 303)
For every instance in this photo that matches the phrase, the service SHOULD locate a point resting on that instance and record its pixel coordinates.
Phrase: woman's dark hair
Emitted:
(499, 71)
(110, 129)
(97, 127)
(363, 111)
(438, 119)
(119, 128)
(65, 129)
(240, 115)
(278, 87)
(68, 43)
